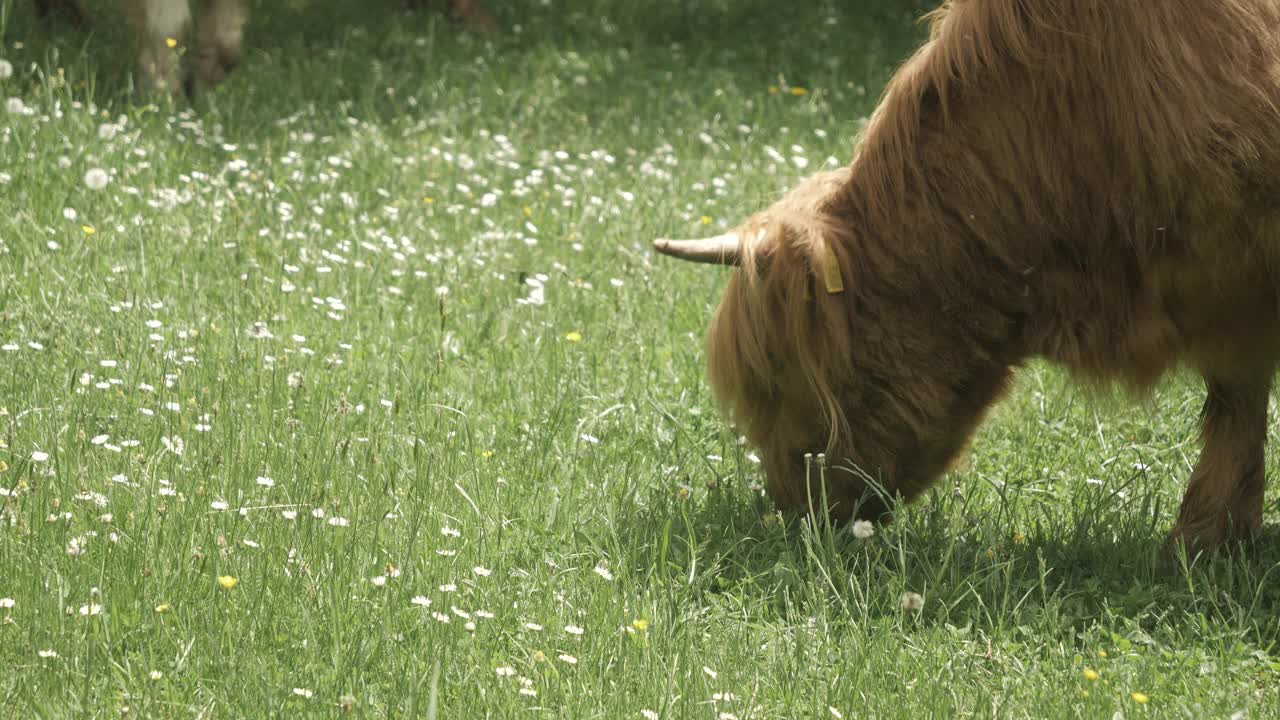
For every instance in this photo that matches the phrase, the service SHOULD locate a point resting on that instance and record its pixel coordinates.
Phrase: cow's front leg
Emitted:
(1224, 498)
(161, 25)
(218, 49)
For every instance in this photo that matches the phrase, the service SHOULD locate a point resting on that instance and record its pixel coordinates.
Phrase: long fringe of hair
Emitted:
(779, 299)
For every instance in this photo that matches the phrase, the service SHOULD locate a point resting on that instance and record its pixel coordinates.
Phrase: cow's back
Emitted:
(1123, 156)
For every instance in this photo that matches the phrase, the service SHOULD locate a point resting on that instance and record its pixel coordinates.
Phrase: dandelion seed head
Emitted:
(96, 178)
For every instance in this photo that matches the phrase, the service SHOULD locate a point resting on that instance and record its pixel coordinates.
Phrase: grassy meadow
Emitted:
(352, 388)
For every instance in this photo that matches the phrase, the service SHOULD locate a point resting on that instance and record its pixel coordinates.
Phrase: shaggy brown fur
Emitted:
(1096, 182)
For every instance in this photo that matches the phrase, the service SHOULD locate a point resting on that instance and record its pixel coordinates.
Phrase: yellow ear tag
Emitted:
(831, 271)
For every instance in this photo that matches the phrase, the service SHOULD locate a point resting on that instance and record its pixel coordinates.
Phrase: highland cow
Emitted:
(1095, 182)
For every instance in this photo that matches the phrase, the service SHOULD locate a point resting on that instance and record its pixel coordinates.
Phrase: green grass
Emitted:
(579, 503)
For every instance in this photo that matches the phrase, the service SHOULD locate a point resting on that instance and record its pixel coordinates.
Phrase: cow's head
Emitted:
(814, 350)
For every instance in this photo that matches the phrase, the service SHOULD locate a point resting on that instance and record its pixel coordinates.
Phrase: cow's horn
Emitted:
(718, 250)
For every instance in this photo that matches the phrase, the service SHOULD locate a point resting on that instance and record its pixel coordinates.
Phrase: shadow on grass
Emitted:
(1070, 581)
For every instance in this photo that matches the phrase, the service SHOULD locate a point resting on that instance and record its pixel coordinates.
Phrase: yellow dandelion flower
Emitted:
(1019, 538)
(428, 200)
(228, 581)
(1090, 674)
(573, 336)
(799, 91)
(640, 624)
(3, 466)
(528, 211)
(773, 89)
(1140, 698)
(1102, 653)
(706, 220)
(88, 229)
(486, 453)
(539, 656)
(163, 608)
(171, 42)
